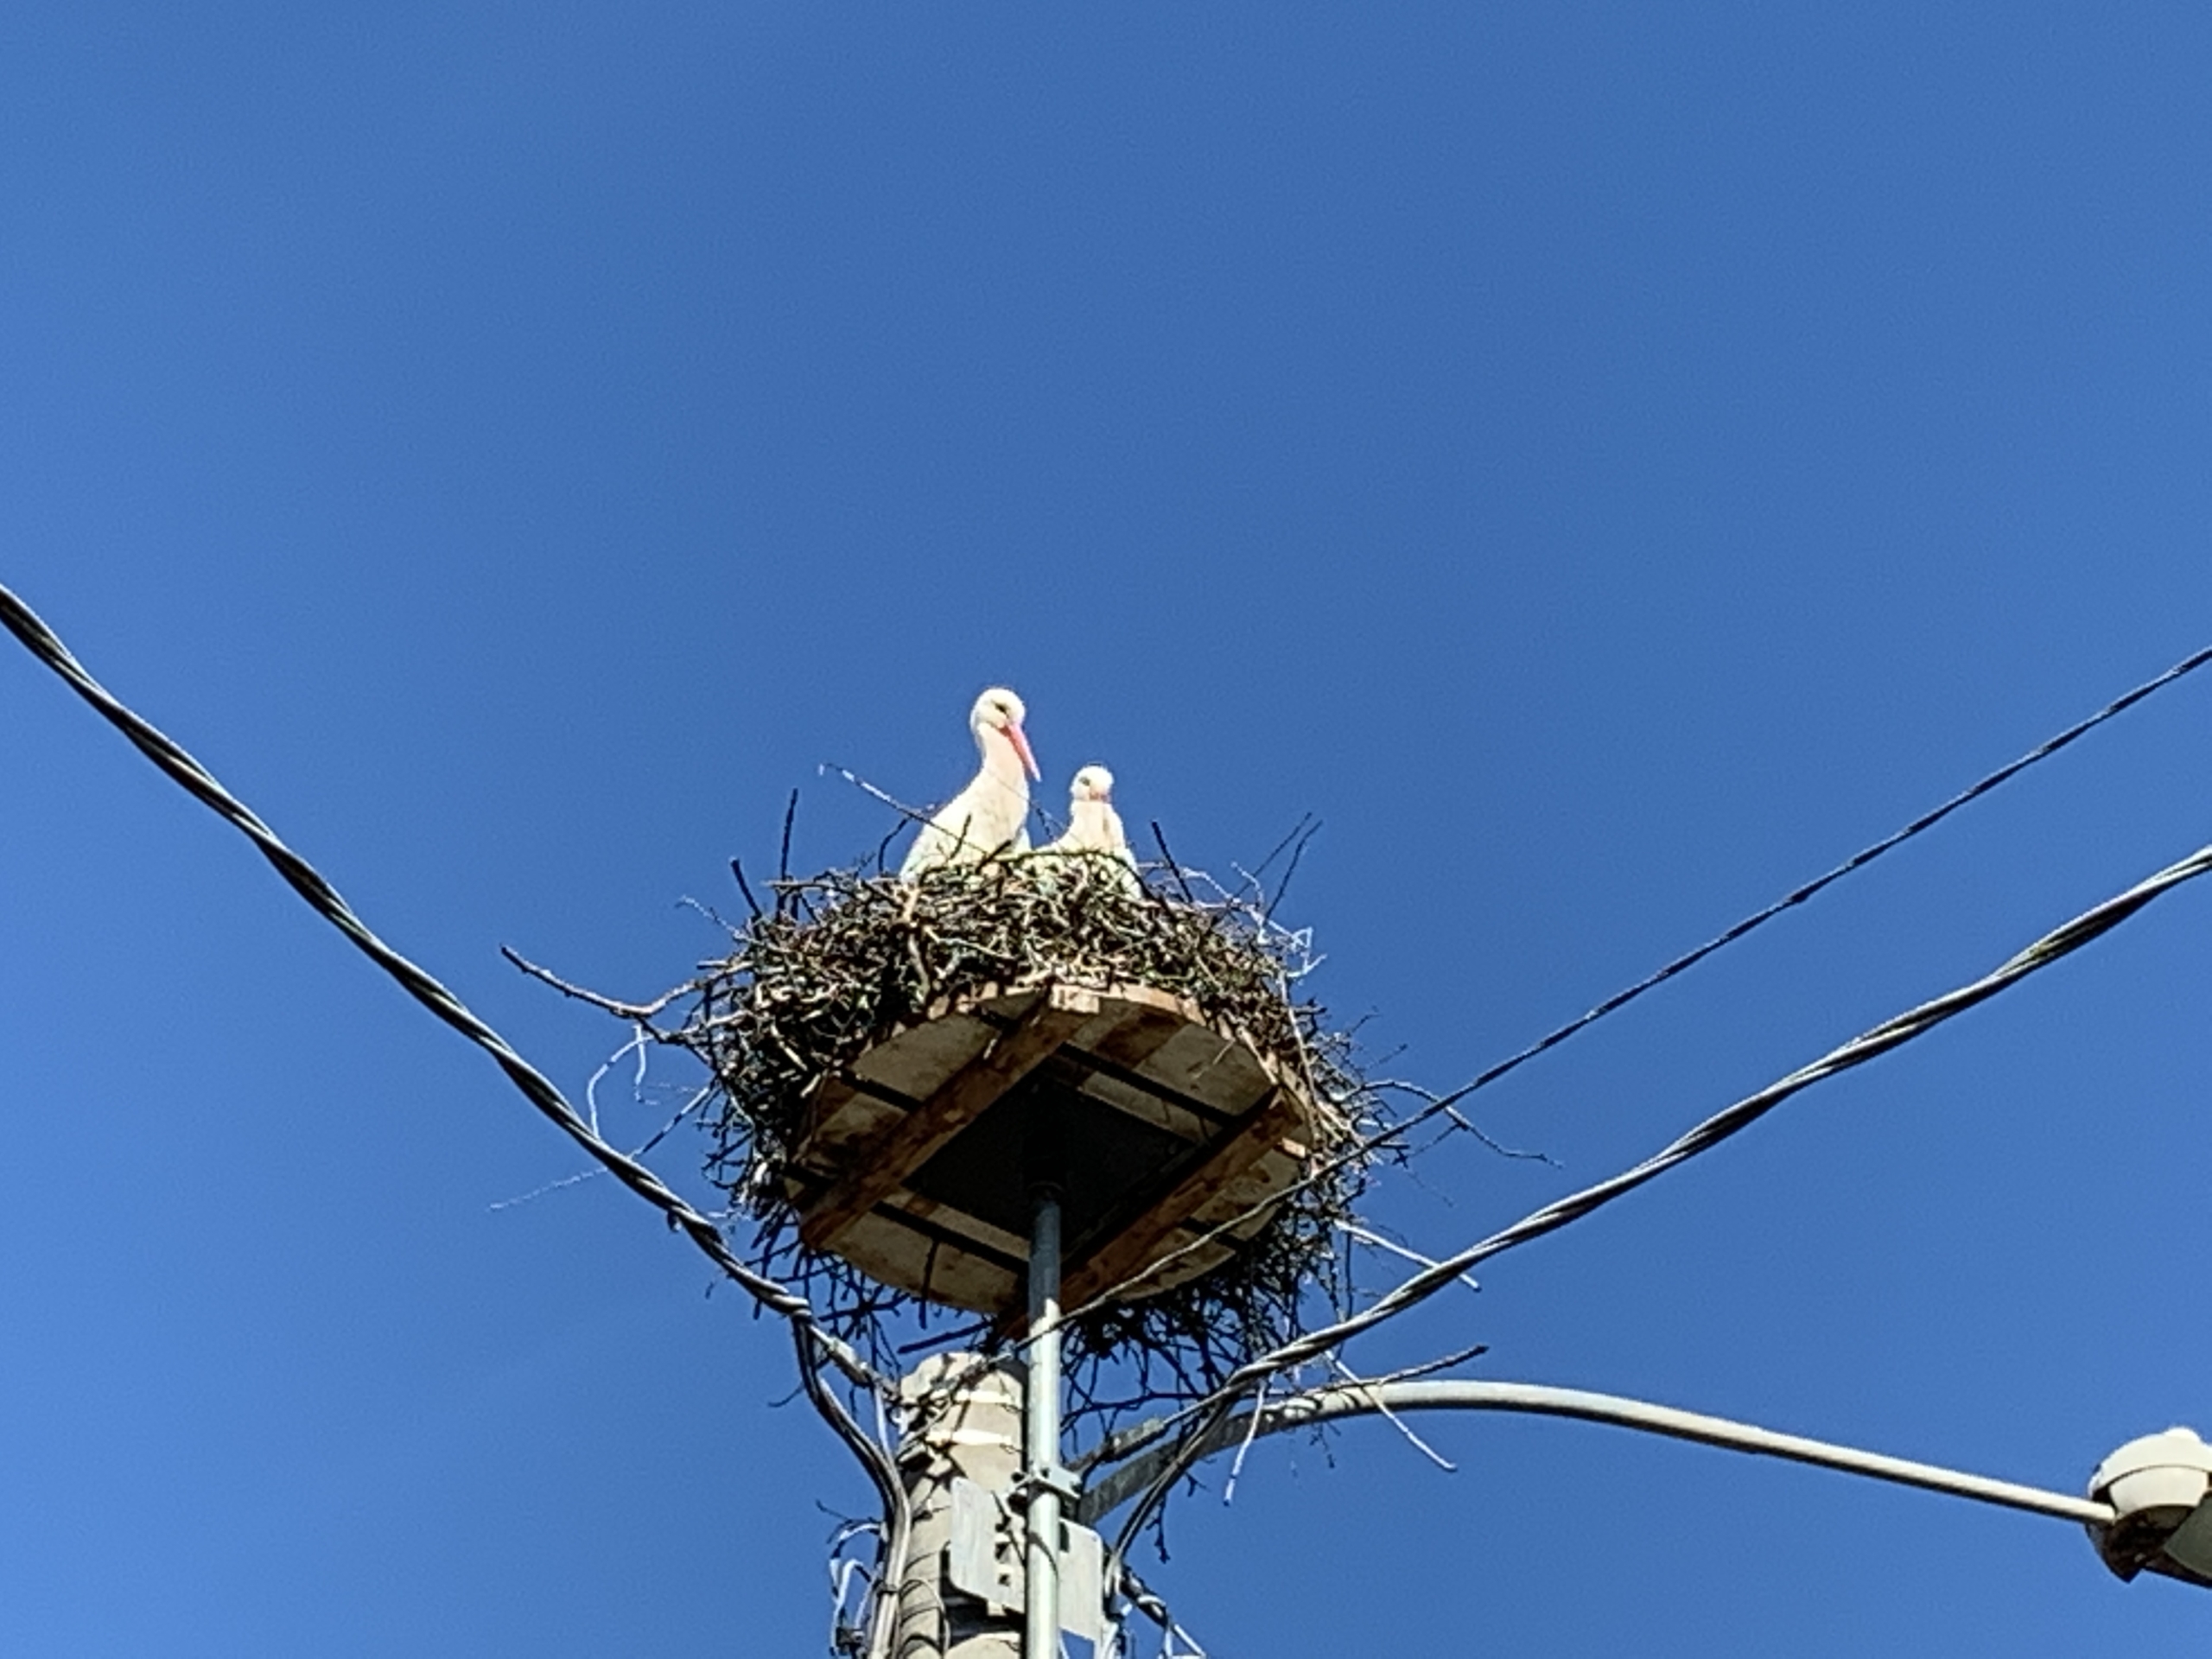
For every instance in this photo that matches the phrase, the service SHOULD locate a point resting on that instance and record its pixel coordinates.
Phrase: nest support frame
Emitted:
(1164, 1138)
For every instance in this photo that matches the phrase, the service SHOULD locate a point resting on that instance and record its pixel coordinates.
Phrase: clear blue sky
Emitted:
(1609, 462)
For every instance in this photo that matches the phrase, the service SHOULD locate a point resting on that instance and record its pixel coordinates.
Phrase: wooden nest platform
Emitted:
(1166, 1139)
(894, 1064)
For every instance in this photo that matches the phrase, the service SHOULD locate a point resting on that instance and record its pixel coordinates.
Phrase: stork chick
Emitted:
(1094, 827)
(991, 815)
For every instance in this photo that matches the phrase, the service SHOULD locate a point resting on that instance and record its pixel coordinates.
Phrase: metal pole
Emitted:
(1352, 1399)
(1041, 1599)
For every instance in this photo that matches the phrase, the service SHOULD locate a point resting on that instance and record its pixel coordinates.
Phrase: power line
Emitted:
(1443, 1105)
(304, 880)
(1892, 1033)
(1858, 861)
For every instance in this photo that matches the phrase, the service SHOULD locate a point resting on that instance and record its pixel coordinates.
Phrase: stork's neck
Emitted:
(1002, 763)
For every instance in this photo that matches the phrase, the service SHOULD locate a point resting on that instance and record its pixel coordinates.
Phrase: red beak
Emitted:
(1021, 749)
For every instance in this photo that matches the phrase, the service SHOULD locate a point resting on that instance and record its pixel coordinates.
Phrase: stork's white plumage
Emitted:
(1093, 825)
(992, 814)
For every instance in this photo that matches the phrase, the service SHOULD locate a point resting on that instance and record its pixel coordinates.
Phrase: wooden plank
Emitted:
(933, 1228)
(845, 1116)
(884, 1161)
(1220, 1114)
(1149, 1236)
(1122, 1072)
(1148, 1025)
(923, 1058)
(1141, 1105)
(992, 1241)
(901, 1251)
(1147, 998)
(1159, 1001)
(1209, 1066)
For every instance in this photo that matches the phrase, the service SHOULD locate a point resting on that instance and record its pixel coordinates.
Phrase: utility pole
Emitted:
(960, 1462)
(983, 1446)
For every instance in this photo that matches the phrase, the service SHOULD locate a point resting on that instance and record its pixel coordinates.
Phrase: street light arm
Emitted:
(1355, 1400)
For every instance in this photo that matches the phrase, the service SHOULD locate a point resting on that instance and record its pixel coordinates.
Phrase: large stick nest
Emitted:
(848, 958)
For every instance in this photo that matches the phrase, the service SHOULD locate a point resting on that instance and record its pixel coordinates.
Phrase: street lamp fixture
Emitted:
(2160, 1490)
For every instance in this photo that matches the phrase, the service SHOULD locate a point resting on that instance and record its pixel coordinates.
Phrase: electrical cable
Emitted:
(1858, 861)
(1892, 1033)
(1444, 1105)
(304, 880)
(883, 1474)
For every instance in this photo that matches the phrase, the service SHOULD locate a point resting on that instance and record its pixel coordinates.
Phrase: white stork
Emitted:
(1094, 827)
(992, 814)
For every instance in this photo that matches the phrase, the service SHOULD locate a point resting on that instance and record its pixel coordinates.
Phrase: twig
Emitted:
(914, 813)
(1290, 870)
(1236, 1467)
(752, 904)
(1388, 1416)
(1160, 838)
(591, 1087)
(1430, 1367)
(637, 1013)
(1354, 1231)
(1458, 1120)
(1276, 851)
(536, 1193)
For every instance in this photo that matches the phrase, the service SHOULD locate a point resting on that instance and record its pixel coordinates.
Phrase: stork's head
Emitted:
(1092, 784)
(999, 710)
